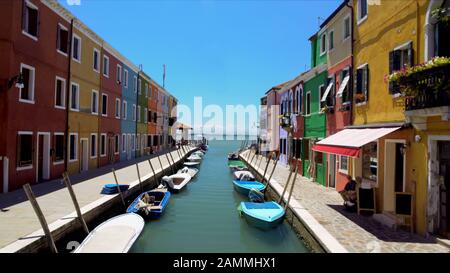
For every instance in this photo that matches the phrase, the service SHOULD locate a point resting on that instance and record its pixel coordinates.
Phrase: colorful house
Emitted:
(315, 80)
(33, 116)
(152, 116)
(129, 96)
(108, 107)
(336, 101)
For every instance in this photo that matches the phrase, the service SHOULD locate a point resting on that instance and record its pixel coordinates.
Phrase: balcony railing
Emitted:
(426, 89)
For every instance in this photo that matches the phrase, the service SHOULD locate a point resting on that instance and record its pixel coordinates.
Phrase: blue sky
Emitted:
(228, 52)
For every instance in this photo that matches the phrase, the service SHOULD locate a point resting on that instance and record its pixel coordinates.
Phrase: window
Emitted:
(343, 164)
(134, 112)
(96, 60)
(119, 74)
(362, 10)
(308, 103)
(299, 100)
(298, 148)
(139, 113)
(28, 75)
(399, 58)
(135, 85)
(73, 147)
(125, 78)
(106, 66)
(347, 28)
(124, 143)
(62, 40)
(58, 147)
(103, 145)
(133, 138)
(94, 102)
(145, 115)
(93, 145)
(25, 150)
(60, 93)
(155, 140)
(116, 144)
(76, 48)
(104, 105)
(323, 44)
(75, 97)
(370, 161)
(138, 136)
(139, 86)
(155, 117)
(30, 20)
(331, 40)
(124, 109)
(117, 108)
(328, 94)
(149, 116)
(362, 83)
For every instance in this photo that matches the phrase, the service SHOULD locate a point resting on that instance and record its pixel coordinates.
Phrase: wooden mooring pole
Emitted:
(170, 153)
(170, 164)
(66, 180)
(118, 188)
(291, 170)
(274, 167)
(139, 178)
(40, 215)
(153, 171)
(292, 186)
(160, 163)
(267, 166)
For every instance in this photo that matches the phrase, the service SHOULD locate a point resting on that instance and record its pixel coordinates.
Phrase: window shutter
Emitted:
(58, 36)
(24, 14)
(358, 81)
(366, 82)
(411, 54)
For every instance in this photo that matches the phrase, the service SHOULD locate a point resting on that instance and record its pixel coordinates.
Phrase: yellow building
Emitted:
(389, 36)
(84, 102)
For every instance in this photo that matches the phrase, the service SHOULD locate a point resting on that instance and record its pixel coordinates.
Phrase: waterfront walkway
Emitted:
(344, 231)
(19, 225)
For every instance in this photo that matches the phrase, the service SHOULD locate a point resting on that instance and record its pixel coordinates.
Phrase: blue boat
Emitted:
(147, 208)
(112, 188)
(244, 187)
(265, 215)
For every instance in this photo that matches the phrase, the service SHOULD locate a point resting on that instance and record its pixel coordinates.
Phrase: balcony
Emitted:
(427, 89)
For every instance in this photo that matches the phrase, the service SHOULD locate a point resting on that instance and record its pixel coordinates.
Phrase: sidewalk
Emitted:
(356, 233)
(18, 222)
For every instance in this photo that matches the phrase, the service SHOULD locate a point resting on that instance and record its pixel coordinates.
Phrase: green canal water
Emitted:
(204, 217)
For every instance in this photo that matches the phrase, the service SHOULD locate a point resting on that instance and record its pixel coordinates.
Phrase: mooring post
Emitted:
(139, 178)
(118, 187)
(179, 154)
(40, 216)
(153, 171)
(274, 167)
(170, 153)
(252, 159)
(160, 163)
(170, 164)
(66, 180)
(265, 169)
(292, 186)
(287, 183)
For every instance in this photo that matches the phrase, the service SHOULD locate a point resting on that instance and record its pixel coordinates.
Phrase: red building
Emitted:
(152, 116)
(109, 110)
(33, 52)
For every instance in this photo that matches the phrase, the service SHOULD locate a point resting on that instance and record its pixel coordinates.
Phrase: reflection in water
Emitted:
(204, 217)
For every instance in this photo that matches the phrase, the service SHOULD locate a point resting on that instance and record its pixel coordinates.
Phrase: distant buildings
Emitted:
(364, 110)
(68, 99)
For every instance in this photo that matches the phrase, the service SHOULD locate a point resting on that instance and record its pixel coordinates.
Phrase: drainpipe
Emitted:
(353, 61)
(69, 77)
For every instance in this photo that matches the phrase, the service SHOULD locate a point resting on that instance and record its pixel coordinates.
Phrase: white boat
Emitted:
(191, 164)
(243, 175)
(199, 153)
(176, 182)
(194, 158)
(115, 235)
(191, 171)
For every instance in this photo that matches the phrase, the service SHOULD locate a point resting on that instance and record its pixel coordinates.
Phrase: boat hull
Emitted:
(265, 215)
(244, 187)
(153, 214)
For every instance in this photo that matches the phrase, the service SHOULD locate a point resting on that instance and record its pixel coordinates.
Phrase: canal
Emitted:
(204, 217)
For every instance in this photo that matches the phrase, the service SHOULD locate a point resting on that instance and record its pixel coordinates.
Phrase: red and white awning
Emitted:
(348, 142)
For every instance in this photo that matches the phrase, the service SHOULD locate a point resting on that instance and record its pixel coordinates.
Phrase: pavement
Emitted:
(350, 231)
(18, 222)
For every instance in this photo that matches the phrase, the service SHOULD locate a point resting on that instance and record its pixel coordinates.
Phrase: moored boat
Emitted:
(262, 215)
(191, 171)
(150, 204)
(236, 163)
(243, 175)
(191, 164)
(233, 156)
(176, 182)
(244, 187)
(115, 235)
(199, 153)
(194, 158)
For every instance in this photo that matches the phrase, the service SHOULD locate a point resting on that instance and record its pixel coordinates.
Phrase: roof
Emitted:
(342, 5)
(278, 87)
